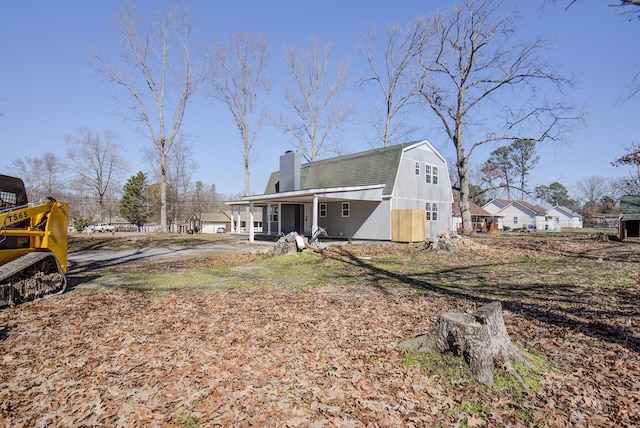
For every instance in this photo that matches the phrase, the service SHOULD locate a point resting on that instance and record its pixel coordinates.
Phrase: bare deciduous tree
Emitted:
(159, 73)
(393, 75)
(591, 190)
(42, 176)
(474, 69)
(630, 184)
(239, 80)
(317, 109)
(96, 159)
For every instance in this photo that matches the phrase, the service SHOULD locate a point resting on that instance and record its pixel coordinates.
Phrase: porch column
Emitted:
(250, 220)
(279, 218)
(232, 225)
(238, 221)
(314, 217)
(269, 219)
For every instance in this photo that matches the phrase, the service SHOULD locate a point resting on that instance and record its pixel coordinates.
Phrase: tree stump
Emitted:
(480, 337)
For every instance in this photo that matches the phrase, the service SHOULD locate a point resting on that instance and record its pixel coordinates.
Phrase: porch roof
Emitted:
(333, 194)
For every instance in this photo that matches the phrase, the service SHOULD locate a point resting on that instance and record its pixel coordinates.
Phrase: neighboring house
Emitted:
(629, 226)
(516, 215)
(481, 219)
(210, 223)
(399, 193)
(559, 217)
(523, 215)
(223, 222)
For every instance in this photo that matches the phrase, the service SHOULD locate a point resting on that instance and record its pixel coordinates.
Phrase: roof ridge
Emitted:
(375, 150)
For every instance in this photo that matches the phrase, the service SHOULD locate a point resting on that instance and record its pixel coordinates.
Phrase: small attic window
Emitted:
(417, 168)
(278, 187)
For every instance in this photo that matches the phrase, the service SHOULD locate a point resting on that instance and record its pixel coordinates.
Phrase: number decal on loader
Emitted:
(22, 215)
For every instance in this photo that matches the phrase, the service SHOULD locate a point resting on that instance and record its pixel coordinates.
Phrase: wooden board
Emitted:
(408, 225)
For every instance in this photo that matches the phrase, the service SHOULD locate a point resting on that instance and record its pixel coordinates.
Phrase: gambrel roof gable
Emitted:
(371, 167)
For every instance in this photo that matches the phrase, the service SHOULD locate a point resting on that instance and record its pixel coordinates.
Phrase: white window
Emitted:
(417, 168)
(273, 215)
(515, 220)
(345, 209)
(432, 211)
(431, 174)
(323, 210)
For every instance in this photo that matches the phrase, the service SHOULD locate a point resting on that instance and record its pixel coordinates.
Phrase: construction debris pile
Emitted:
(290, 243)
(293, 242)
(447, 242)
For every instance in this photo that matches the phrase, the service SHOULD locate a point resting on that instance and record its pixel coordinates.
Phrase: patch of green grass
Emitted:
(379, 360)
(302, 271)
(471, 407)
(186, 420)
(449, 368)
(505, 382)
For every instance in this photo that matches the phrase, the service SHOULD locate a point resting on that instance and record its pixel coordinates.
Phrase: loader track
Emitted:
(30, 277)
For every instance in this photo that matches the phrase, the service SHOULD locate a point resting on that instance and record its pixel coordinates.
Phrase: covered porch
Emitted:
(304, 211)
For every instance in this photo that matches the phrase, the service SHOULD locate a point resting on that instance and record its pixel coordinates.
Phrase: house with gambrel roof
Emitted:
(399, 193)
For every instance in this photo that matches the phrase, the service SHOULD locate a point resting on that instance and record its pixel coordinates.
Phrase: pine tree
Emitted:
(133, 204)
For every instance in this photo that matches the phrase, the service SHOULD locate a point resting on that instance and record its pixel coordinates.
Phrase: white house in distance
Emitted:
(398, 193)
(562, 218)
(517, 215)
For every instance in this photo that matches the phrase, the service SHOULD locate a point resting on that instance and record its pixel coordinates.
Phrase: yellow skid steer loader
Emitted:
(33, 244)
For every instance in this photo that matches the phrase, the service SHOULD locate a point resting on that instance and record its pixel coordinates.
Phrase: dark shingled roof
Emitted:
(630, 204)
(377, 166)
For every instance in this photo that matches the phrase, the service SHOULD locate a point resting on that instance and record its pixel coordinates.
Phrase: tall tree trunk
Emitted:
(247, 175)
(163, 189)
(463, 176)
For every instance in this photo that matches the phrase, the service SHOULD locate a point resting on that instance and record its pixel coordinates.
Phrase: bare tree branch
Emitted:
(318, 111)
(393, 74)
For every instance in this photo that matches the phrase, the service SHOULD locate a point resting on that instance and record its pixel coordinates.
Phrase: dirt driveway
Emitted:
(81, 261)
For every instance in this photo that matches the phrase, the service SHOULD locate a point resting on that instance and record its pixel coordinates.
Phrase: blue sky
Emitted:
(48, 89)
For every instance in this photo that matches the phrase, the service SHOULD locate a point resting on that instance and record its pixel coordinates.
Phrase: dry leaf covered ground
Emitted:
(310, 340)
